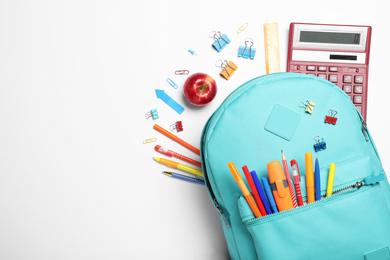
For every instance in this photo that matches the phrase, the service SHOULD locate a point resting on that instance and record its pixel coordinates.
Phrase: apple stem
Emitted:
(202, 88)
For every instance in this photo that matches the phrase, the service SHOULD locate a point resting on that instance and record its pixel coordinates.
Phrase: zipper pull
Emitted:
(364, 129)
(220, 212)
(358, 185)
(374, 179)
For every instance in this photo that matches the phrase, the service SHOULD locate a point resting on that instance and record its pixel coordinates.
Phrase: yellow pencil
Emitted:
(179, 166)
(332, 169)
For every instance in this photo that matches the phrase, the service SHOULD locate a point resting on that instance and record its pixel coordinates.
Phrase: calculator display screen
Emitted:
(330, 37)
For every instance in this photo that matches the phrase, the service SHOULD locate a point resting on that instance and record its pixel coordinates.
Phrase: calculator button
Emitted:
(323, 76)
(347, 79)
(359, 79)
(311, 68)
(347, 88)
(358, 89)
(333, 69)
(359, 108)
(333, 78)
(358, 99)
(322, 68)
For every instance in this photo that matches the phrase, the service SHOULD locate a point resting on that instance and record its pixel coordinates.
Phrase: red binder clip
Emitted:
(178, 126)
(331, 119)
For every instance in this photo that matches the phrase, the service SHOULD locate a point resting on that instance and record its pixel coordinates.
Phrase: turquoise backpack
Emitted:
(251, 127)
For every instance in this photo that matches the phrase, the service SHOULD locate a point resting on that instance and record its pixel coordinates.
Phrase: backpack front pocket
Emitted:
(344, 226)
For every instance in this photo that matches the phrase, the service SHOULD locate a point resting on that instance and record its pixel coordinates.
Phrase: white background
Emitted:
(77, 77)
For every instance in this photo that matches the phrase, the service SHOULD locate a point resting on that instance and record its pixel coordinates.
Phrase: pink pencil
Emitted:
(288, 177)
(170, 153)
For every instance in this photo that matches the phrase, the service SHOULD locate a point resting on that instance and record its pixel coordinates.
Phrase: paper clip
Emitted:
(220, 40)
(247, 51)
(331, 119)
(150, 140)
(178, 126)
(309, 106)
(182, 72)
(239, 30)
(320, 144)
(152, 113)
(228, 68)
(173, 84)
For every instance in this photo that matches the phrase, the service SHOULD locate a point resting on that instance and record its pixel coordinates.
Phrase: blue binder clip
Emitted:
(247, 51)
(220, 40)
(152, 114)
(320, 144)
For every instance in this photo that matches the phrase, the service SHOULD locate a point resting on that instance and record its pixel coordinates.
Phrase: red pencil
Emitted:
(170, 153)
(254, 190)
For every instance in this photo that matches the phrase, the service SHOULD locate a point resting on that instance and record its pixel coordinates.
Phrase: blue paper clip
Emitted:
(320, 144)
(247, 51)
(173, 84)
(220, 40)
(152, 114)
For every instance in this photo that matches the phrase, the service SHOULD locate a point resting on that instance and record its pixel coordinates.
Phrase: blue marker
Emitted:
(261, 192)
(269, 195)
(317, 179)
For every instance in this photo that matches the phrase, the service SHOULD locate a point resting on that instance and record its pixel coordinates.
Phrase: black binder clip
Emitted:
(320, 144)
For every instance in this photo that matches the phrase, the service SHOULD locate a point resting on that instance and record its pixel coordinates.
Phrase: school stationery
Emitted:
(221, 40)
(271, 44)
(179, 166)
(152, 114)
(228, 68)
(289, 181)
(279, 186)
(320, 144)
(169, 101)
(260, 190)
(176, 139)
(317, 181)
(331, 119)
(178, 126)
(244, 189)
(247, 51)
(270, 197)
(297, 179)
(346, 220)
(329, 189)
(338, 53)
(253, 188)
(171, 153)
(309, 177)
(183, 177)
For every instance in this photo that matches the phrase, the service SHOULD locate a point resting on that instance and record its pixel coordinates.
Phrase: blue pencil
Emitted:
(271, 199)
(261, 192)
(317, 179)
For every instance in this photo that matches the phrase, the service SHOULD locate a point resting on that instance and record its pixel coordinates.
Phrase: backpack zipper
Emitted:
(356, 186)
(220, 212)
(364, 129)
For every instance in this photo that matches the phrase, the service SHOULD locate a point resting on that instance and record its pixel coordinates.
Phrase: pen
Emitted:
(176, 139)
(289, 182)
(297, 179)
(317, 181)
(170, 153)
(269, 195)
(244, 189)
(261, 193)
(183, 177)
(179, 166)
(309, 177)
(254, 190)
(332, 169)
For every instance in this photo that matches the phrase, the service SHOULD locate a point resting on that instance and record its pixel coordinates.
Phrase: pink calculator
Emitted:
(338, 53)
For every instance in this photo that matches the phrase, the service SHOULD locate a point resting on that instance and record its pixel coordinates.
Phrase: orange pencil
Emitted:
(244, 189)
(176, 139)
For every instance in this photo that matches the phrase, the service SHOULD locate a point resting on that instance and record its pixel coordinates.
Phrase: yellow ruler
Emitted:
(271, 44)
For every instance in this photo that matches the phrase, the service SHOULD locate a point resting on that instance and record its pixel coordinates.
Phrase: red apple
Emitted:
(200, 89)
